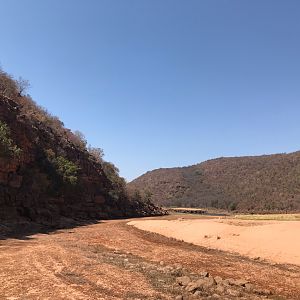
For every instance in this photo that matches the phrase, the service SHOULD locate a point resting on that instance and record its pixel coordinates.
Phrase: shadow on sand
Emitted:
(25, 230)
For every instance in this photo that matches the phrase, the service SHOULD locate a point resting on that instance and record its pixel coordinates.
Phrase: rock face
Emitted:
(31, 190)
(267, 183)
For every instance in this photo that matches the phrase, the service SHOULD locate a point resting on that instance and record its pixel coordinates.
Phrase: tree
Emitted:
(137, 196)
(22, 86)
(8, 87)
(80, 139)
(96, 153)
(147, 196)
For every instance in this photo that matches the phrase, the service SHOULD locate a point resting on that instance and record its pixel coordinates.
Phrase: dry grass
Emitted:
(271, 217)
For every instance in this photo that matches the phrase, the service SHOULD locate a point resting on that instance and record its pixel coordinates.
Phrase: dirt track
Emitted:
(111, 260)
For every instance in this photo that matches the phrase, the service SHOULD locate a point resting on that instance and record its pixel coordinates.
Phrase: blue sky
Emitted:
(162, 83)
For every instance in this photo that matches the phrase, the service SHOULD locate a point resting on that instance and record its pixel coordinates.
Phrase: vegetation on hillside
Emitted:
(7, 147)
(262, 183)
(65, 168)
(16, 90)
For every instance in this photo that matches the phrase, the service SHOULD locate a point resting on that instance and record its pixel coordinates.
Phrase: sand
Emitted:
(274, 241)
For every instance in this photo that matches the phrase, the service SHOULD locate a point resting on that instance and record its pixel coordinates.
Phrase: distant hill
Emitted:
(47, 173)
(250, 184)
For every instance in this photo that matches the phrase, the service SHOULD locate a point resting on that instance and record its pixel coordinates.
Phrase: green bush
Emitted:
(65, 168)
(112, 173)
(7, 146)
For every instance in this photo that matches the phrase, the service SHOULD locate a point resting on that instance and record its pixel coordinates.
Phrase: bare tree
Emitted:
(23, 85)
(97, 153)
(80, 139)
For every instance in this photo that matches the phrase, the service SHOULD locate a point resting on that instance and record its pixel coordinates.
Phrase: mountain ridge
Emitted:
(260, 183)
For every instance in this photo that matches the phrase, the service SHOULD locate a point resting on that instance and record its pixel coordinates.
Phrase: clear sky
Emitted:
(162, 83)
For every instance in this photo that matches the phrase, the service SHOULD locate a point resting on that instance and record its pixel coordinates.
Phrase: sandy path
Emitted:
(275, 241)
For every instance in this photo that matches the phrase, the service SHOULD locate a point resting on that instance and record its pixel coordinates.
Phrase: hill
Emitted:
(47, 173)
(253, 184)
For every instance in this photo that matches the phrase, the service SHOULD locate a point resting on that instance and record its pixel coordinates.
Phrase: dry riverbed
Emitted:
(275, 241)
(112, 260)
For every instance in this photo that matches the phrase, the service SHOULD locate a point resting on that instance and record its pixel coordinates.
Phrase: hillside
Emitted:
(255, 184)
(47, 173)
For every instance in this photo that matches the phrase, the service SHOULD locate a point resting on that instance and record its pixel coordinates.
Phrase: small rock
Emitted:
(198, 293)
(184, 280)
(204, 274)
(153, 272)
(202, 283)
(179, 297)
(220, 289)
(240, 282)
(262, 292)
(178, 266)
(218, 279)
(233, 293)
(176, 272)
(209, 282)
(249, 287)
(191, 287)
(231, 281)
(225, 282)
(161, 263)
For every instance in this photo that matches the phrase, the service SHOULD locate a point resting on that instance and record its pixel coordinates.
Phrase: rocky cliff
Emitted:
(47, 178)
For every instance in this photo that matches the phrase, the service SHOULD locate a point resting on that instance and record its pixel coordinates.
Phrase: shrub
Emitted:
(232, 206)
(8, 86)
(79, 139)
(33, 111)
(7, 146)
(96, 153)
(112, 173)
(147, 196)
(137, 196)
(65, 168)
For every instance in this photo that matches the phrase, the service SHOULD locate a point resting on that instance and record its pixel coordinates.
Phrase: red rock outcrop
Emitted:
(29, 190)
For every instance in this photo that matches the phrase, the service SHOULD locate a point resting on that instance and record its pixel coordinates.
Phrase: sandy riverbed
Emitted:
(274, 241)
